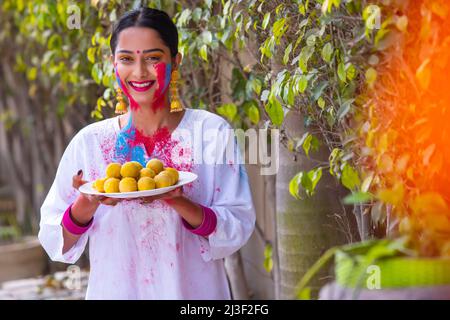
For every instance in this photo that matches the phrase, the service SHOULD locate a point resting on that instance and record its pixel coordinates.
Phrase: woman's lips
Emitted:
(141, 86)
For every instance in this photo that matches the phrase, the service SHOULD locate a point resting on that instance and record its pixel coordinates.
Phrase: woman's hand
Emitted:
(187, 209)
(77, 182)
(168, 196)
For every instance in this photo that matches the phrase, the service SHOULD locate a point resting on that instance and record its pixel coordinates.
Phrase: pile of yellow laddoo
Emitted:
(132, 176)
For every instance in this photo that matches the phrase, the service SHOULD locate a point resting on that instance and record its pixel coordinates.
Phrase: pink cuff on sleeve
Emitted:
(208, 225)
(71, 226)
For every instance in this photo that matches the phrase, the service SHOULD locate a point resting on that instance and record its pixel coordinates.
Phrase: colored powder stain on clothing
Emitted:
(163, 72)
(159, 138)
(134, 145)
(107, 147)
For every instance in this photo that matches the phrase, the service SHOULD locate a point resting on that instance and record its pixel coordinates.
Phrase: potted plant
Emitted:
(20, 256)
(381, 269)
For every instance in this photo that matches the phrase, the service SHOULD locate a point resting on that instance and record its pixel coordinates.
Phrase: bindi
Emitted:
(138, 51)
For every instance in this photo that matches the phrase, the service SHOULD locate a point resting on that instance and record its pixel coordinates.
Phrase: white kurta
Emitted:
(143, 251)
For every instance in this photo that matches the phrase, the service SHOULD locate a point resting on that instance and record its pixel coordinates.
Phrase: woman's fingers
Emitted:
(178, 192)
(108, 201)
(77, 180)
(147, 199)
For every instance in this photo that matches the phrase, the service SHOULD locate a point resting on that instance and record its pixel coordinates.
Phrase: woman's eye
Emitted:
(125, 59)
(153, 59)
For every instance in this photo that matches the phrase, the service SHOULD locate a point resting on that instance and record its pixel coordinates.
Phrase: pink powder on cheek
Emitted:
(133, 104)
(162, 79)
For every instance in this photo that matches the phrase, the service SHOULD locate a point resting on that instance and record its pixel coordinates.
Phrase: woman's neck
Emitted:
(148, 121)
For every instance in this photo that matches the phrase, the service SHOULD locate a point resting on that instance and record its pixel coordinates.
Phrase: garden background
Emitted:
(355, 87)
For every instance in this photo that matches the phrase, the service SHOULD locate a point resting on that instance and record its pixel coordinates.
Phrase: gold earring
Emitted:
(121, 106)
(175, 104)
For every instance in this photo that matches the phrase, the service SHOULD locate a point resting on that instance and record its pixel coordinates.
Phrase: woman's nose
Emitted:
(142, 71)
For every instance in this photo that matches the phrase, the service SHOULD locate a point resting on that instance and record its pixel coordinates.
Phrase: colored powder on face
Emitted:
(163, 73)
(133, 104)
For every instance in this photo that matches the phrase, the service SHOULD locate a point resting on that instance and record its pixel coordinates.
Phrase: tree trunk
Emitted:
(305, 228)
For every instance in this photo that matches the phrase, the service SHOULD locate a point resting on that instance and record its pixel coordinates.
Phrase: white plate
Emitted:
(184, 178)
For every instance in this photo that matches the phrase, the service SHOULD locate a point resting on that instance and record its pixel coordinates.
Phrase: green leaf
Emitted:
(314, 176)
(253, 114)
(184, 17)
(305, 294)
(321, 103)
(341, 72)
(204, 52)
(350, 177)
(305, 54)
(358, 197)
(275, 111)
(97, 73)
(351, 72)
(97, 114)
(197, 14)
(308, 181)
(54, 42)
(371, 76)
(302, 83)
(256, 85)
(32, 73)
(344, 109)
(306, 145)
(287, 52)
(334, 160)
(327, 52)
(268, 47)
(228, 110)
(293, 185)
(91, 54)
(318, 90)
(266, 20)
(268, 264)
(279, 28)
(311, 40)
(268, 261)
(206, 37)
(226, 7)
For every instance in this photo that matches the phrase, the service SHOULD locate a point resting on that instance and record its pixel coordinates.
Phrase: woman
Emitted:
(171, 248)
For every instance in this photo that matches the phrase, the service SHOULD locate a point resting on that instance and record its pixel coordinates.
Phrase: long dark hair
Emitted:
(149, 18)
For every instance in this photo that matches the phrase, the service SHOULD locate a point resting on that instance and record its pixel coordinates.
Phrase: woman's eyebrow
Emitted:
(124, 51)
(153, 50)
(145, 51)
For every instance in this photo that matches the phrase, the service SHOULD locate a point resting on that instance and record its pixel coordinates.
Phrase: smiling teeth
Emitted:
(141, 85)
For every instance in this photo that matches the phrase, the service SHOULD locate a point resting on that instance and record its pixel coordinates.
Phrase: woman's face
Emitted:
(144, 65)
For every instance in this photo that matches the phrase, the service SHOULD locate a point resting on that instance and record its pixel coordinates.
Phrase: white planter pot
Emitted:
(23, 259)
